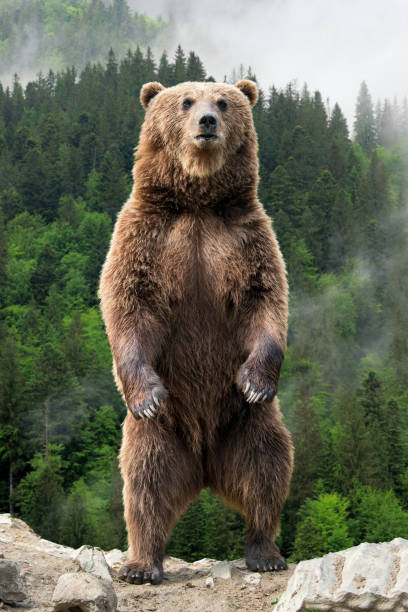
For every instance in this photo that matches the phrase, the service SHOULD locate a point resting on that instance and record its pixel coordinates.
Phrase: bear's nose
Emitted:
(208, 122)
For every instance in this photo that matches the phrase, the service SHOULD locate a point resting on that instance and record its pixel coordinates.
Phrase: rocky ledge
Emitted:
(50, 577)
(40, 576)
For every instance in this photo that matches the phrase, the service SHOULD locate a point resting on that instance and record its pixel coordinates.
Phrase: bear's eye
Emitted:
(187, 103)
(222, 105)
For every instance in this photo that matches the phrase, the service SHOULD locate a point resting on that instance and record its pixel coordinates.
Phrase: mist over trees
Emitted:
(340, 212)
(42, 34)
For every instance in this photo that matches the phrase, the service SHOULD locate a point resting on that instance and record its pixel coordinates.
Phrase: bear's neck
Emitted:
(162, 184)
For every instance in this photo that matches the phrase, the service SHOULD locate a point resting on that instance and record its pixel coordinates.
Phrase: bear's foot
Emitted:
(264, 556)
(134, 573)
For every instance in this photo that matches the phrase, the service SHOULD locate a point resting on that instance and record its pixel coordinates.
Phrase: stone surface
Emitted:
(51, 548)
(183, 588)
(93, 560)
(12, 588)
(209, 583)
(254, 578)
(222, 569)
(84, 592)
(366, 577)
(115, 558)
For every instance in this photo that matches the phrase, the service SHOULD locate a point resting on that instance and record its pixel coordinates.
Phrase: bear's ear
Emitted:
(148, 91)
(250, 89)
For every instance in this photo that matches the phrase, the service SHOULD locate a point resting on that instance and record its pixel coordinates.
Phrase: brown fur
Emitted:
(194, 298)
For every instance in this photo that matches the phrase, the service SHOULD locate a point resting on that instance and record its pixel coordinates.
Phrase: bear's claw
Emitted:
(140, 576)
(264, 556)
(267, 565)
(254, 394)
(150, 406)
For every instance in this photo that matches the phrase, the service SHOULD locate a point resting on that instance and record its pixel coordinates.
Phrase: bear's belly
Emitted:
(199, 366)
(202, 352)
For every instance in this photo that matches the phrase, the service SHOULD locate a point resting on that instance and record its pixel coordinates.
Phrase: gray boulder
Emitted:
(115, 557)
(57, 550)
(93, 560)
(12, 589)
(222, 569)
(84, 592)
(366, 577)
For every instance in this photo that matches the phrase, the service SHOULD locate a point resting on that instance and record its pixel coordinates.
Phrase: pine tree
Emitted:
(338, 129)
(195, 68)
(40, 495)
(364, 124)
(308, 445)
(323, 527)
(179, 66)
(11, 407)
(165, 72)
(150, 71)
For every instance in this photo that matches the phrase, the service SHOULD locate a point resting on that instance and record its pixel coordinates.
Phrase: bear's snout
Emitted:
(208, 122)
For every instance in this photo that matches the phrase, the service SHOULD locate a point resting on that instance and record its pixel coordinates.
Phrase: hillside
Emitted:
(340, 212)
(39, 35)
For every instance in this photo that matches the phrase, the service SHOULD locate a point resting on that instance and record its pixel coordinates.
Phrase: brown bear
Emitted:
(194, 298)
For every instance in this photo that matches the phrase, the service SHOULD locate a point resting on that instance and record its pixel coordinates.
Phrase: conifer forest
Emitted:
(337, 195)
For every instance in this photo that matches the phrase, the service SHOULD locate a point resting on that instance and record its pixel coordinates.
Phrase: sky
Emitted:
(333, 45)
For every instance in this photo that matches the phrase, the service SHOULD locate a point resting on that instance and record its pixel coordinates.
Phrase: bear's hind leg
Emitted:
(251, 470)
(160, 480)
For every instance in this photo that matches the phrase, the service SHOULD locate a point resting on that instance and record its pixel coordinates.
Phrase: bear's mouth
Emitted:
(206, 137)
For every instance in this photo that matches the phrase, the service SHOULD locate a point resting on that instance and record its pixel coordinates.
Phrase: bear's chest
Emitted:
(201, 262)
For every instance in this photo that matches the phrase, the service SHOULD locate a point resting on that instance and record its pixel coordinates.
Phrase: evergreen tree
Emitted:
(308, 449)
(195, 68)
(165, 72)
(40, 495)
(364, 124)
(323, 527)
(11, 408)
(179, 66)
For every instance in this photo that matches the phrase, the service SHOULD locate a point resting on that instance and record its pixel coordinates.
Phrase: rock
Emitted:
(115, 557)
(7, 520)
(239, 564)
(254, 578)
(209, 583)
(12, 589)
(84, 593)
(366, 577)
(93, 560)
(221, 570)
(204, 563)
(51, 548)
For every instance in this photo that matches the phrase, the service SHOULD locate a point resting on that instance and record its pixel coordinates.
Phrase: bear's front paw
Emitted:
(149, 403)
(255, 387)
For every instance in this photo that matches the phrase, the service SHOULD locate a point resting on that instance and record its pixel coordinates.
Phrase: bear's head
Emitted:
(200, 128)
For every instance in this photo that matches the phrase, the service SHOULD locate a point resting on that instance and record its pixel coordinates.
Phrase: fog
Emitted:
(331, 45)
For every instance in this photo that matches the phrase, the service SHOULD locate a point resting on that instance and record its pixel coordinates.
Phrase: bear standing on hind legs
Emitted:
(194, 298)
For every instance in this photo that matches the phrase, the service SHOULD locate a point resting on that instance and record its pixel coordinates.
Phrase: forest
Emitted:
(339, 207)
(54, 34)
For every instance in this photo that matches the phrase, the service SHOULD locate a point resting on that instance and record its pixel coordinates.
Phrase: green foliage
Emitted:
(64, 33)
(377, 516)
(208, 529)
(76, 528)
(39, 495)
(339, 210)
(322, 527)
(364, 124)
